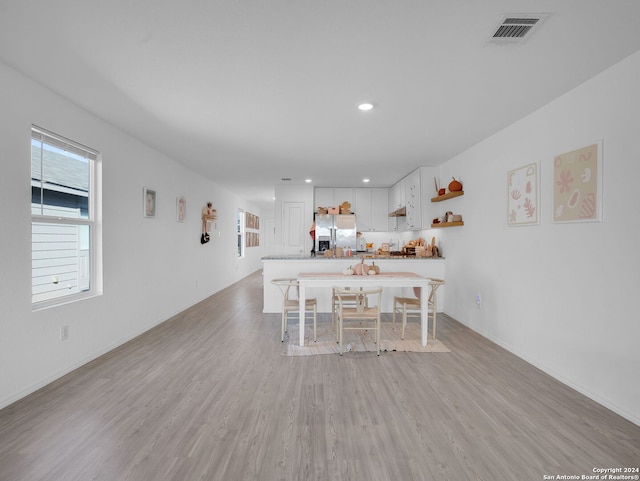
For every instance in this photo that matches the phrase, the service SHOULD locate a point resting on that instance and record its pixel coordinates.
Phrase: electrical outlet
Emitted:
(478, 299)
(64, 333)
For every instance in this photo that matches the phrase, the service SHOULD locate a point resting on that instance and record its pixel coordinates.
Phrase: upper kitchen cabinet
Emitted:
(405, 208)
(396, 220)
(343, 194)
(413, 194)
(322, 197)
(332, 197)
(397, 197)
(371, 206)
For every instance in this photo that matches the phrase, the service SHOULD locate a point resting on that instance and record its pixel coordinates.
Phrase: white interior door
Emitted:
(294, 228)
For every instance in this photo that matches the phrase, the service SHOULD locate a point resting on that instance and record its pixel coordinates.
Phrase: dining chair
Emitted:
(411, 305)
(348, 300)
(366, 308)
(290, 304)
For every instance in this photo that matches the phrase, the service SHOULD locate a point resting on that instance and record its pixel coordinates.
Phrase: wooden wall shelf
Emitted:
(449, 195)
(446, 224)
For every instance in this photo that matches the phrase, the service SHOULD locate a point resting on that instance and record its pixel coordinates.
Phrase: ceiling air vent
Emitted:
(516, 28)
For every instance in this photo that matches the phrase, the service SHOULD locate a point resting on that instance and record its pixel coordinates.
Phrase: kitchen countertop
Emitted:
(358, 257)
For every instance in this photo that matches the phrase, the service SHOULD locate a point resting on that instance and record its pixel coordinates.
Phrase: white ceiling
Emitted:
(248, 92)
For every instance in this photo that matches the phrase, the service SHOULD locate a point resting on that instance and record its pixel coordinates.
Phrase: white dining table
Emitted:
(386, 279)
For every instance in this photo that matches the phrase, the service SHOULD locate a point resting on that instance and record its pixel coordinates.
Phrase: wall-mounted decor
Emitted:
(149, 202)
(209, 214)
(252, 239)
(522, 195)
(181, 208)
(577, 185)
(251, 221)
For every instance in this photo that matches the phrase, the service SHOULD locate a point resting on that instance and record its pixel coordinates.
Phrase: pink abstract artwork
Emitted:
(522, 197)
(576, 185)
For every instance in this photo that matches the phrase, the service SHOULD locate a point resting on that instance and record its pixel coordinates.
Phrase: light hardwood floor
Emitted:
(208, 395)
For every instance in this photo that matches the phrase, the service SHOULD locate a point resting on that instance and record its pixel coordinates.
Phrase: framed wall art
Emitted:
(149, 202)
(577, 185)
(252, 221)
(181, 208)
(522, 195)
(252, 239)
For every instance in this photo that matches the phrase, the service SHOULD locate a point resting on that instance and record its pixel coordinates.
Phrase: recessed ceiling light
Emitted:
(365, 180)
(365, 106)
(308, 181)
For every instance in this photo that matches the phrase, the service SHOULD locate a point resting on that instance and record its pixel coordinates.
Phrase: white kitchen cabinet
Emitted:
(413, 183)
(332, 197)
(397, 197)
(363, 209)
(343, 194)
(379, 205)
(323, 197)
(397, 223)
(370, 207)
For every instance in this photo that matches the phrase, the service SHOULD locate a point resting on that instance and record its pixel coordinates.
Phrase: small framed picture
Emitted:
(149, 202)
(181, 208)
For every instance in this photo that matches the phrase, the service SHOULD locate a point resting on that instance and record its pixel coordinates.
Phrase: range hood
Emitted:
(400, 212)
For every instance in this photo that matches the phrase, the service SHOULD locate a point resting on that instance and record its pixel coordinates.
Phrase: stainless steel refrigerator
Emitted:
(337, 230)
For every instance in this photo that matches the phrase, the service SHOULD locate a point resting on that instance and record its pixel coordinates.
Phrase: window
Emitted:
(64, 207)
(240, 221)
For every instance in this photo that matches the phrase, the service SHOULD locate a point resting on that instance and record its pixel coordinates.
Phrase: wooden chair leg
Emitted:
(333, 312)
(378, 334)
(404, 319)
(283, 323)
(434, 323)
(393, 318)
(340, 334)
(435, 313)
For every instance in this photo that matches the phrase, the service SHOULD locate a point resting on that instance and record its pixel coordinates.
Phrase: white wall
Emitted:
(561, 296)
(153, 268)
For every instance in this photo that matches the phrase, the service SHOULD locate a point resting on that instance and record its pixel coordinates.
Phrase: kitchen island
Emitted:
(275, 267)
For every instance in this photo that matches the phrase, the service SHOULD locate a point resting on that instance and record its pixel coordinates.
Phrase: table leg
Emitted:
(302, 313)
(424, 314)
